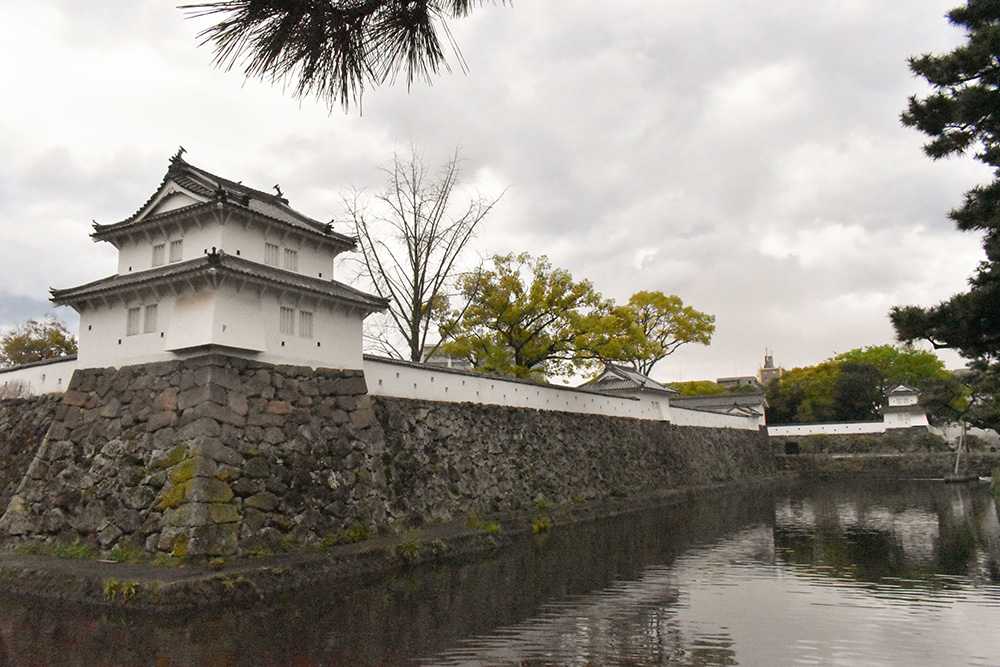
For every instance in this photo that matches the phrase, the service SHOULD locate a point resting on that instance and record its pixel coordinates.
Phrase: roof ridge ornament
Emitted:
(281, 195)
(177, 156)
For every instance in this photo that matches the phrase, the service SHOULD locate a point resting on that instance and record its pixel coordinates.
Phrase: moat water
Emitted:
(863, 573)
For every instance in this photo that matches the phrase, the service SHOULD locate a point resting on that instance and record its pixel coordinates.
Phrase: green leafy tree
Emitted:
(895, 365)
(36, 340)
(851, 385)
(783, 401)
(652, 326)
(982, 401)
(332, 48)
(945, 400)
(526, 318)
(698, 388)
(962, 115)
(857, 393)
(804, 395)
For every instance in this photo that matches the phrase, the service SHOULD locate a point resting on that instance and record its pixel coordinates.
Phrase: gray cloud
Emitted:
(746, 156)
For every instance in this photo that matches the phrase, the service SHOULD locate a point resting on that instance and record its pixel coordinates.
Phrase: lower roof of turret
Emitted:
(219, 262)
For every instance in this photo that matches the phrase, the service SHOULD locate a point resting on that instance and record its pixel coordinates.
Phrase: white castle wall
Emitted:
(245, 323)
(827, 429)
(44, 377)
(387, 377)
(688, 417)
(400, 379)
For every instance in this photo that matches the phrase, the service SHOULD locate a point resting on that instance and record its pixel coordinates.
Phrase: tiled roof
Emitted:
(741, 400)
(215, 262)
(623, 378)
(216, 189)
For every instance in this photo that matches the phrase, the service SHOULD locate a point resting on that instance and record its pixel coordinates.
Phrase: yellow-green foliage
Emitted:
(126, 552)
(408, 548)
(347, 535)
(128, 589)
(180, 548)
(484, 527)
(541, 524)
(77, 550)
(699, 388)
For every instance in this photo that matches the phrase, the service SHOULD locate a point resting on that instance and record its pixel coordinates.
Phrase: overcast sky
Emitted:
(746, 155)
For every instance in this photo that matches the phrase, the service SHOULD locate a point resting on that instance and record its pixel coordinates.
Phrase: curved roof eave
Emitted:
(105, 232)
(261, 274)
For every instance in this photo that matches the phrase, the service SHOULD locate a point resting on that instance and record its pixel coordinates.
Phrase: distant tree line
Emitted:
(851, 386)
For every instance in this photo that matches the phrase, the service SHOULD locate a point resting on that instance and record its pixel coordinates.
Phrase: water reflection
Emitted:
(908, 530)
(837, 574)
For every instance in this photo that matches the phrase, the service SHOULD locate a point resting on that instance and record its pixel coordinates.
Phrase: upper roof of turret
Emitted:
(186, 190)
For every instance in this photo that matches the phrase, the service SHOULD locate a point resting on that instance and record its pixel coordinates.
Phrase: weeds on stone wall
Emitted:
(77, 550)
(541, 524)
(349, 535)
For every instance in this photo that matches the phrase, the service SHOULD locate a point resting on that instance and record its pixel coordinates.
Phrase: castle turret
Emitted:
(210, 265)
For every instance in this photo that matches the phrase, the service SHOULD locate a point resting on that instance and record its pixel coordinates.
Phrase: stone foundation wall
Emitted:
(207, 457)
(216, 456)
(916, 439)
(913, 465)
(449, 459)
(23, 425)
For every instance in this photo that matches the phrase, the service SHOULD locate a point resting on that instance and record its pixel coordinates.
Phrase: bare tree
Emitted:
(410, 242)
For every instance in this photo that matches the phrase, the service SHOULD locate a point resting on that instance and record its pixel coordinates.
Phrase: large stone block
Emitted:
(223, 375)
(213, 449)
(203, 426)
(203, 490)
(200, 514)
(159, 420)
(220, 413)
(18, 519)
(200, 394)
(214, 540)
(264, 502)
(196, 466)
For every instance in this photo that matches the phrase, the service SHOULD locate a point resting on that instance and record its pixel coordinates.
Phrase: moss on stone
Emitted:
(180, 547)
(173, 457)
(172, 495)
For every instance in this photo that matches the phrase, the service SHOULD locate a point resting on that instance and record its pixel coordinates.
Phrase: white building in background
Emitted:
(903, 410)
(207, 265)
